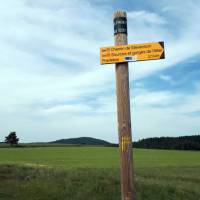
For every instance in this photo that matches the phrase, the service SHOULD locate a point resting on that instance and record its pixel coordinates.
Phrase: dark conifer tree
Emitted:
(12, 139)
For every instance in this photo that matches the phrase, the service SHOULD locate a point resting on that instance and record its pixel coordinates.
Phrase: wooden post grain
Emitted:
(124, 116)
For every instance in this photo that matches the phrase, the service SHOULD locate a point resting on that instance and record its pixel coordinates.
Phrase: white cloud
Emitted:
(143, 16)
(76, 108)
(49, 62)
(165, 113)
(153, 98)
(166, 78)
(154, 122)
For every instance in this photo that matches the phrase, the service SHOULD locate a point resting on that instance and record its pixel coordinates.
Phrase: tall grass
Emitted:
(31, 183)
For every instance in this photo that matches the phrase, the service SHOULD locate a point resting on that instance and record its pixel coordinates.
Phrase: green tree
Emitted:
(12, 139)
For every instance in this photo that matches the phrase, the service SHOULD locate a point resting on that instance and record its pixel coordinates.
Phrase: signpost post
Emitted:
(123, 110)
(121, 54)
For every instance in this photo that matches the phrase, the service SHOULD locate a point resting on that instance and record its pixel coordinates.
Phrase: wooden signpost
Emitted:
(121, 54)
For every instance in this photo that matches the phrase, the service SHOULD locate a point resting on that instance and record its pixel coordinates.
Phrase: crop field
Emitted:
(92, 173)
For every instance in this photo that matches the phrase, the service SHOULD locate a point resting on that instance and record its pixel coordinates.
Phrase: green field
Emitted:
(92, 173)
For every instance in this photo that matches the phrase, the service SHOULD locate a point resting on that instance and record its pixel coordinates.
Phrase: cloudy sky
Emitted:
(52, 85)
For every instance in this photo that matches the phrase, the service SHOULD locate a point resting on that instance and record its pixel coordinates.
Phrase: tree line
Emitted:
(179, 143)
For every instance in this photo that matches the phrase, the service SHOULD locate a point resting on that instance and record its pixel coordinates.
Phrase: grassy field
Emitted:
(97, 157)
(92, 173)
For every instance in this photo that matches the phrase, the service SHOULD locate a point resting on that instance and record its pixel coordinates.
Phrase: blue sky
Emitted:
(52, 85)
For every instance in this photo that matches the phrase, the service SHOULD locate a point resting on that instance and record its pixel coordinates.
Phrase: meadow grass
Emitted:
(97, 157)
(92, 173)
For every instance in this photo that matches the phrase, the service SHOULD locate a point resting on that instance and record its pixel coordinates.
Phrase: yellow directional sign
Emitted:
(132, 53)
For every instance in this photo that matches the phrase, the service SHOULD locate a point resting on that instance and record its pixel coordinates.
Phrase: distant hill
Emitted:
(82, 141)
(179, 143)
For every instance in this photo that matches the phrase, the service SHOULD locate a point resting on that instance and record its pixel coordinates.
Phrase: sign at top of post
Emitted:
(132, 53)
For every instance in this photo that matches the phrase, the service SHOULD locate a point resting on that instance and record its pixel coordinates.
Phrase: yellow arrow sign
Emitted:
(132, 53)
